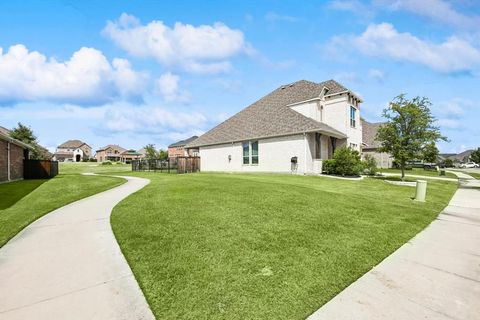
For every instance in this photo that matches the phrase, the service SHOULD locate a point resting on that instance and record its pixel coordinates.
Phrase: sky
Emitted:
(133, 73)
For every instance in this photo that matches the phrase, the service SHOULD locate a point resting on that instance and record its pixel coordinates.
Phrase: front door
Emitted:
(77, 158)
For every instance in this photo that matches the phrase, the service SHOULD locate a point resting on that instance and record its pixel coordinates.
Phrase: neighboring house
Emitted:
(461, 157)
(128, 155)
(142, 153)
(292, 129)
(73, 151)
(178, 149)
(111, 152)
(371, 146)
(12, 154)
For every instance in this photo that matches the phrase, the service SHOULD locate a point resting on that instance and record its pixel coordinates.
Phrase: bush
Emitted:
(345, 162)
(328, 166)
(370, 165)
(106, 163)
(448, 163)
(92, 160)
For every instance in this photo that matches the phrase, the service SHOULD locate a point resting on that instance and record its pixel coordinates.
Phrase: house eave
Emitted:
(15, 141)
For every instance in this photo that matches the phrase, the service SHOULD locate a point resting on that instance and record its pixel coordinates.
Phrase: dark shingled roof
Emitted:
(270, 116)
(72, 144)
(182, 143)
(369, 132)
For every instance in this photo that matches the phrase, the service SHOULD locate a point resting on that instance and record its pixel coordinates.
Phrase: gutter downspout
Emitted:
(8, 162)
(305, 153)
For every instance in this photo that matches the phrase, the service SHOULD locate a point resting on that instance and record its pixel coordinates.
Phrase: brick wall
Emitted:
(3, 161)
(16, 161)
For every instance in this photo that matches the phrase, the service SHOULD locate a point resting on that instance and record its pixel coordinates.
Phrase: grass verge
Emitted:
(233, 246)
(28, 200)
(420, 172)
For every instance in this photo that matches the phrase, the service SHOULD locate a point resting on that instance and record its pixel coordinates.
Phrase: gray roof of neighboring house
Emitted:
(182, 143)
(72, 144)
(113, 146)
(270, 116)
(369, 132)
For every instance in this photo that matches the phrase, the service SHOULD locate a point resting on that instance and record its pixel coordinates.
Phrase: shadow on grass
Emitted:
(12, 192)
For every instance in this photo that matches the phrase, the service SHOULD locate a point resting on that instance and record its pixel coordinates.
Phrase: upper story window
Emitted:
(250, 152)
(353, 112)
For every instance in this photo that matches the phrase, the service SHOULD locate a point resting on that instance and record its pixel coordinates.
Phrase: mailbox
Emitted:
(294, 164)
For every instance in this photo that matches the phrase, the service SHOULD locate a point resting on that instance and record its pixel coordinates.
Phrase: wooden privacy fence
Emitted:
(171, 165)
(39, 169)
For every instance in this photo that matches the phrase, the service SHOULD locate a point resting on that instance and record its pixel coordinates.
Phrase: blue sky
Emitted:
(156, 72)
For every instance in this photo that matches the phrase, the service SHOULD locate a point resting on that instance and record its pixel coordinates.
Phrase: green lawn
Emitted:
(232, 246)
(23, 202)
(84, 167)
(420, 172)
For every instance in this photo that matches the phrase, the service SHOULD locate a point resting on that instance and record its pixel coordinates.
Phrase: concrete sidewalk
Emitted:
(436, 275)
(68, 265)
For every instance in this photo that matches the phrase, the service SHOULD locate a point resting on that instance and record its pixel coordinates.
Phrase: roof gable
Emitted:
(182, 143)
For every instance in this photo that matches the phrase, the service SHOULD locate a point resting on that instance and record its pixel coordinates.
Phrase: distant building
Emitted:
(371, 146)
(116, 153)
(110, 152)
(73, 151)
(178, 149)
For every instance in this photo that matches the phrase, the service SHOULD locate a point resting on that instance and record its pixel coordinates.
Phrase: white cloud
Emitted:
(198, 49)
(449, 123)
(383, 40)
(168, 87)
(86, 78)
(354, 6)
(376, 74)
(436, 10)
(275, 17)
(454, 108)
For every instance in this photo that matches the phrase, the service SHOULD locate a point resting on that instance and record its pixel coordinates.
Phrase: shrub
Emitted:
(328, 166)
(106, 163)
(347, 162)
(370, 165)
(448, 163)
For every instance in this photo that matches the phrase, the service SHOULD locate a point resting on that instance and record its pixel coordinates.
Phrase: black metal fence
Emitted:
(171, 165)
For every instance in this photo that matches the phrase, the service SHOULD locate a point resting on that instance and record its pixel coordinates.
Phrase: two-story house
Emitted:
(294, 128)
(111, 152)
(178, 149)
(73, 151)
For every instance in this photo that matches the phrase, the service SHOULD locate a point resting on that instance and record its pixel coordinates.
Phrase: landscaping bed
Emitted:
(260, 246)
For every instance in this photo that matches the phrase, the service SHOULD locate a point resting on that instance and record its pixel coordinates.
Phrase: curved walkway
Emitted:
(436, 275)
(68, 265)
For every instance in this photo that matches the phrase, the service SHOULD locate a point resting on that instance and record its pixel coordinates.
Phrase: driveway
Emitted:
(436, 275)
(68, 265)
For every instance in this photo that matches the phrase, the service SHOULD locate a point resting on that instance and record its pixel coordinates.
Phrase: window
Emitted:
(352, 116)
(250, 152)
(246, 153)
(255, 152)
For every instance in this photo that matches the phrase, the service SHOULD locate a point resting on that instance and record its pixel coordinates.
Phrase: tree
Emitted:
(25, 134)
(150, 152)
(409, 129)
(475, 156)
(430, 153)
(153, 154)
